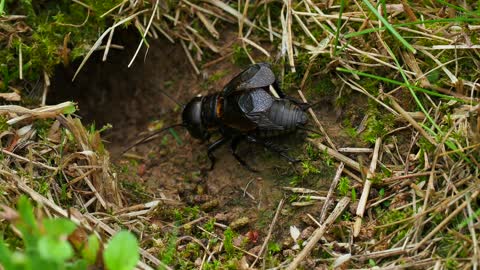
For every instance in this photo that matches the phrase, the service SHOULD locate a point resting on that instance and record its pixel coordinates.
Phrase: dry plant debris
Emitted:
(413, 64)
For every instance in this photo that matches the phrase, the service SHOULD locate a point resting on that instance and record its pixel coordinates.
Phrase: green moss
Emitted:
(169, 252)
(3, 124)
(240, 57)
(344, 186)
(228, 235)
(378, 125)
(42, 126)
(449, 245)
(136, 190)
(322, 88)
(49, 26)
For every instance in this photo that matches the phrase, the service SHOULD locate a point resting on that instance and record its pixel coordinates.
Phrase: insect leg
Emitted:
(233, 148)
(274, 148)
(212, 147)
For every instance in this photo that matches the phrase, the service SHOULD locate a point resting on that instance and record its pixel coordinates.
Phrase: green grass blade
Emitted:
(389, 27)
(448, 20)
(175, 135)
(2, 7)
(416, 88)
(412, 92)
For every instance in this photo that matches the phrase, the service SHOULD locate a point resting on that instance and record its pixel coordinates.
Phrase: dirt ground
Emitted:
(131, 100)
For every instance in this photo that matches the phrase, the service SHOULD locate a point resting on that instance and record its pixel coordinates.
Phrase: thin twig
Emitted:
(330, 191)
(362, 204)
(319, 233)
(269, 234)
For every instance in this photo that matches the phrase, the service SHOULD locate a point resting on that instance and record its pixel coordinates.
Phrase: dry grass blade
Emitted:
(28, 160)
(100, 39)
(289, 34)
(341, 205)
(320, 126)
(348, 161)
(412, 121)
(330, 192)
(440, 226)
(230, 10)
(42, 112)
(144, 33)
(208, 24)
(190, 58)
(362, 204)
(256, 46)
(269, 234)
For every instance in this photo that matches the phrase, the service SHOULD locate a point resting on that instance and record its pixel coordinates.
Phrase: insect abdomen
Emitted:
(286, 114)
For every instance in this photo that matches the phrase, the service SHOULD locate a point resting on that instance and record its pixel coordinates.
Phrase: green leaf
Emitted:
(89, 253)
(58, 227)
(5, 256)
(27, 223)
(416, 88)
(121, 252)
(54, 250)
(25, 209)
(2, 7)
(69, 109)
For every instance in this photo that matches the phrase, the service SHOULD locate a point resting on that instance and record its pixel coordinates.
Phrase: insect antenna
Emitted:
(171, 98)
(152, 136)
(310, 130)
(306, 106)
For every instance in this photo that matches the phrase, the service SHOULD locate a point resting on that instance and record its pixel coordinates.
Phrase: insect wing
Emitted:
(255, 76)
(256, 105)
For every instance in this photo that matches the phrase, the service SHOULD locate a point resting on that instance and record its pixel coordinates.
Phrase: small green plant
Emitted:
(329, 161)
(168, 254)
(381, 193)
(343, 186)
(347, 216)
(228, 241)
(274, 247)
(309, 168)
(353, 195)
(50, 244)
(312, 152)
(210, 225)
(294, 180)
(212, 265)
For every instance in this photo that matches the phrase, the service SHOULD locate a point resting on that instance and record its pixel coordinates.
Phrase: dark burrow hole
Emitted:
(127, 98)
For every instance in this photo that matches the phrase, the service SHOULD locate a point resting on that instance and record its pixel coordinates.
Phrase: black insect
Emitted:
(250, 107)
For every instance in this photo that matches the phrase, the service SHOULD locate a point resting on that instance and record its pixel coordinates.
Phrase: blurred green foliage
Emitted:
(52, 244)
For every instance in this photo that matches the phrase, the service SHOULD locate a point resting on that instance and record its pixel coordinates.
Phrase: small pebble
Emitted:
(307, 232)
(221, 217)
(209, 205)
(240, 222)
